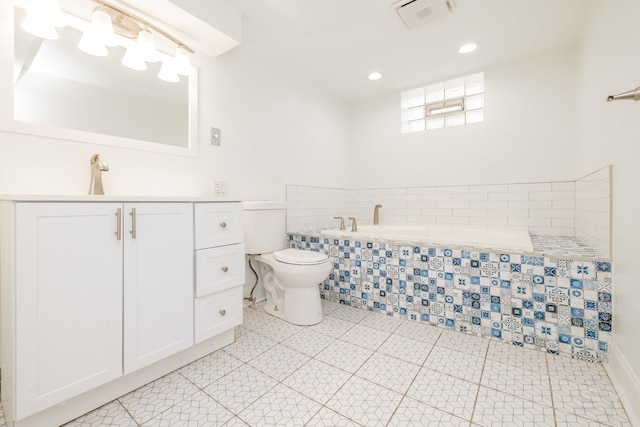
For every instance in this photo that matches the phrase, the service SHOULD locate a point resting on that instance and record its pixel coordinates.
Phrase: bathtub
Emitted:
(516, 238)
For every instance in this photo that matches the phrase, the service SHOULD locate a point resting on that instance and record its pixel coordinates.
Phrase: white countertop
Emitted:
(110, 198)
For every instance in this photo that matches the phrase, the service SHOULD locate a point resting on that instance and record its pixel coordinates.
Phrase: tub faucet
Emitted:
(97, 167)
(341, 222)
(354, 225)
(376, 215)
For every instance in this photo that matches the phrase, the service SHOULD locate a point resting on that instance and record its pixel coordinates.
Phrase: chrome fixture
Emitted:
(633, 94)
(97, 167)
(341, 222)
(111, 26)
(354, 225)
(376, 214)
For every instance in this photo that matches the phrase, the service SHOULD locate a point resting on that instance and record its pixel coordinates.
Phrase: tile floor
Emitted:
(363, 369)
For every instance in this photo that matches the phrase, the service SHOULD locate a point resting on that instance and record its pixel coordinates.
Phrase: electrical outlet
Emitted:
(220, 188)
(216, 136)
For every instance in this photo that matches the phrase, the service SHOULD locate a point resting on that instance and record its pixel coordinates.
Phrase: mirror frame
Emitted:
(8, 124)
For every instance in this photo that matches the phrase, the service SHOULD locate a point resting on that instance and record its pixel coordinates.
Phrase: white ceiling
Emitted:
(336, 43)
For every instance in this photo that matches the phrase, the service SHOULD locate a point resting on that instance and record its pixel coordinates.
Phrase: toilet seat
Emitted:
(297, 257)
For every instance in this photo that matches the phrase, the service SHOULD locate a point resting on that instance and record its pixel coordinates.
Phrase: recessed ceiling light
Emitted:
(468, 47)
(374, 76)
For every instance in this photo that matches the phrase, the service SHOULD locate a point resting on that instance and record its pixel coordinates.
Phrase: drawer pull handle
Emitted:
(223, 224)
(225, 269)
(223, 312)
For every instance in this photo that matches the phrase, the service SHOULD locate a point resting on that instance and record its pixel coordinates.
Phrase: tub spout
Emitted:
(633, 94)
(341, 222)
(376, 215)
(97, 167)
(354, 225)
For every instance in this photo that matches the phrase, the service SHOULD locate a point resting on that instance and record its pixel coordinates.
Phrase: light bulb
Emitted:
(147, 46)
(183, 63)
(42, 18)
(374, 76)
(133, 59)
(92, 44)
(169, 71)
(33, 24)
(103, 27)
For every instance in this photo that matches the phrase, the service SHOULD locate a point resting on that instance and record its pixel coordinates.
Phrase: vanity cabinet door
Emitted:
(158, 281)
(68, 297)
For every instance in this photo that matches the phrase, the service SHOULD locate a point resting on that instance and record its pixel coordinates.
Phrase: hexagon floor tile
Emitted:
(240, 388)
(154, 398)
(445, 392)
(365, 402)
(414, 413)
(111, 414)
(281, 407)
(359, 368)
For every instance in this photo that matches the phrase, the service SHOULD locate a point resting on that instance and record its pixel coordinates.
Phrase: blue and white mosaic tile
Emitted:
(546, 302)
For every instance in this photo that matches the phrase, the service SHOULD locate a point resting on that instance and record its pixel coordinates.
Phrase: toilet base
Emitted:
(302, 306)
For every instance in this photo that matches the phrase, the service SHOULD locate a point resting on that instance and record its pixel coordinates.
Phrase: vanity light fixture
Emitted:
(112, 26)
(467, 47)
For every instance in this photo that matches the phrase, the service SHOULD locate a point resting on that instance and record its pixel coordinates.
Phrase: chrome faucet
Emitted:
(341, 222)
(97, 167)
(376, 215)
(354, 225)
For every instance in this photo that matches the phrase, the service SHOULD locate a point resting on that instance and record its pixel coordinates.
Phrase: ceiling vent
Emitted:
(416, 12)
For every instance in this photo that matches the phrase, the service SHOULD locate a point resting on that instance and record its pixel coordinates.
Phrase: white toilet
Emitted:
(290, 277)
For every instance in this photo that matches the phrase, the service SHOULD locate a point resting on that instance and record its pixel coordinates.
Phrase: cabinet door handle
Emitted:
(223, 224)
(134, 230)
(223, 312)
(119, 224)
(225, 269)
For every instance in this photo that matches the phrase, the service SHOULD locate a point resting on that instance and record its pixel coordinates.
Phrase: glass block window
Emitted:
(451, 103)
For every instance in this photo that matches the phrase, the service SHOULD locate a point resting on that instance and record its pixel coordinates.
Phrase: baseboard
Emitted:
(626, 383)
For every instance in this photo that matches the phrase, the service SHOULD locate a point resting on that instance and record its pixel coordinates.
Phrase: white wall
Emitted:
(528, 134)
(275, 127)
(610, 133)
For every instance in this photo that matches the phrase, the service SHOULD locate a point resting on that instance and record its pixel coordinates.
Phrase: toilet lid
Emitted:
(299, 257)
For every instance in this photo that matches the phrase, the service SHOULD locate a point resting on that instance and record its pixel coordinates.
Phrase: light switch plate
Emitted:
(216, 136)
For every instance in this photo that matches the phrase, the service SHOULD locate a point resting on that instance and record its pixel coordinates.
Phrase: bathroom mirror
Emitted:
(61, 92)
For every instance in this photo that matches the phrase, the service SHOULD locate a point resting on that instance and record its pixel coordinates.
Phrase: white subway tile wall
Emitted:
(537, 206)
(593, 210)
(313, 208)
(579, 208)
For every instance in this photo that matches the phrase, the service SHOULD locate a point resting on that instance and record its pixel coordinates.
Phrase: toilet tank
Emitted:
(265, 226)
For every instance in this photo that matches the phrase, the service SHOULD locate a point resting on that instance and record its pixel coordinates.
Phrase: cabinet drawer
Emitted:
(218, 224)
(218, 269)
(217, 313)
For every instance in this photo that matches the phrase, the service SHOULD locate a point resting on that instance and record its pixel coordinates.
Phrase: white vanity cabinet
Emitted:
(99, 298)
